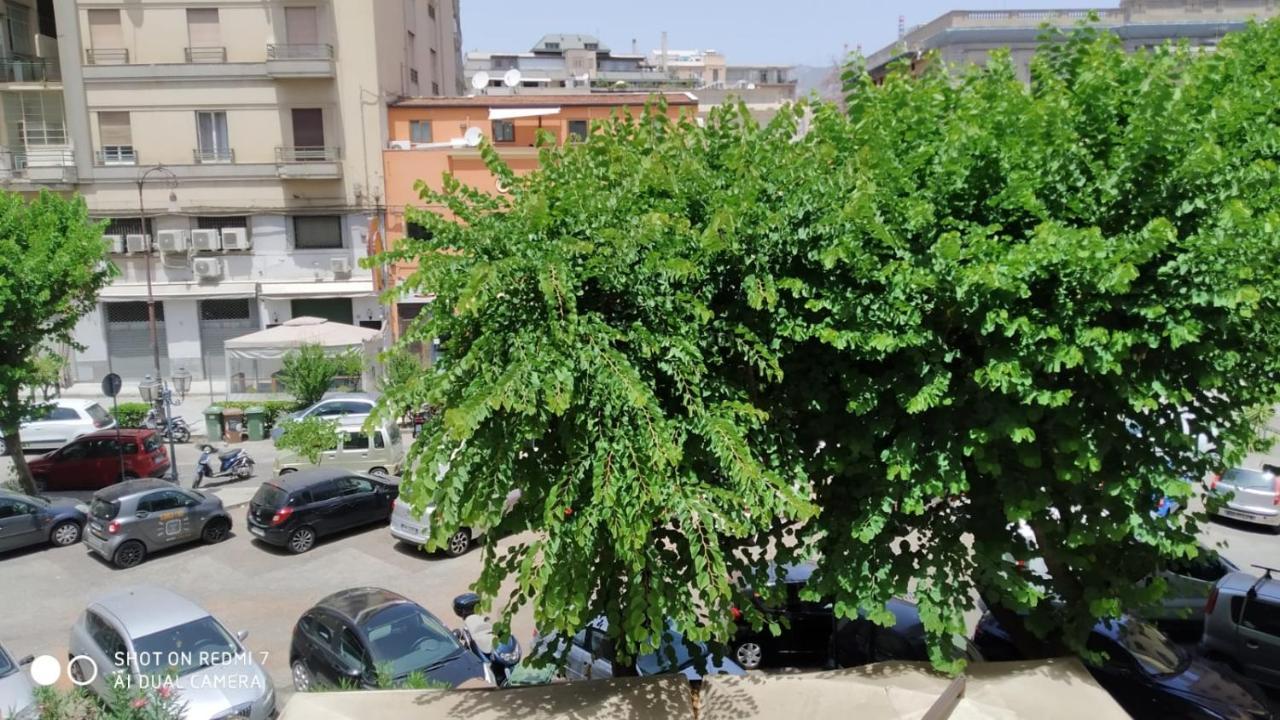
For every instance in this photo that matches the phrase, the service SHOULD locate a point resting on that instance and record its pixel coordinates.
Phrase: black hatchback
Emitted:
(372, 638)
(294, 510)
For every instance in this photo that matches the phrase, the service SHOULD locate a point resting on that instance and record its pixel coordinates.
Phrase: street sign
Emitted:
(111, 385)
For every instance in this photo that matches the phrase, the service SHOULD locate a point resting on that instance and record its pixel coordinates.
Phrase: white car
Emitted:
(347, 407)
(60, 422)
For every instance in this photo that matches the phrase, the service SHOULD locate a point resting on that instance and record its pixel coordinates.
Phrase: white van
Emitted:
(376, 452)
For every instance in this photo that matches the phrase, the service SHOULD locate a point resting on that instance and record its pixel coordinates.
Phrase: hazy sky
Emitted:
(810, 32)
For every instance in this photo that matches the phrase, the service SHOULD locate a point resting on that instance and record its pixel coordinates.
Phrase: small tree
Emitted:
(52, 265)
(309, 371)
(309, 437)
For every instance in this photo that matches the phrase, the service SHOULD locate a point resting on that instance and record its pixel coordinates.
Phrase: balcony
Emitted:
(106, 56)
(206, 54)
(29, 70)
(113, 155)
(220, 156)
(300, 61)
(42, 165)
(309, 163)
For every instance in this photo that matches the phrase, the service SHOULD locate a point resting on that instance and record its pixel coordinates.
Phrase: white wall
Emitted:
(182, 330)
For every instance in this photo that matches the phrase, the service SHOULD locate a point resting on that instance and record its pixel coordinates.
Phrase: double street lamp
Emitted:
(172, 181)
(155, 392)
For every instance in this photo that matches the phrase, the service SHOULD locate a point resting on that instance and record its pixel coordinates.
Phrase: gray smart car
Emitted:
(130, 520)
(1242, 625)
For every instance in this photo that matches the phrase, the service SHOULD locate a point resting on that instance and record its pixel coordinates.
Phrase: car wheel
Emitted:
(245, 471)
(130, 554)
(215, 531)
(182, 434)
(379, 472)
(65, 533)
(302, 540)
(749, 655)
(301, 677)
(459, 543)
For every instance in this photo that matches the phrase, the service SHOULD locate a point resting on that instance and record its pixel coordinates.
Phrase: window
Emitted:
(420, 131)
(591, 46)
(165, 500)
(416, 231)
(435, 88)
(578, 129)
(203, 32)
(553, 46)
(413, 76)
(222, 221)
(411, 56)
(327, 490)
(504, 131)
(431, 10)
(104, 30)
(61, 413)
(350, 650)
(48, 24)
(130, 226)
(301, 26)
(601, 646)
(106, 638)
(378, 442)
(1262, 616)
(715, 75)
(354, 486)
(211, 136)
(308, 132)
(317, 232)
(500, 62)
(355, 441)
(116, 137)
(35, 118)
(212, 310)
(13, 508)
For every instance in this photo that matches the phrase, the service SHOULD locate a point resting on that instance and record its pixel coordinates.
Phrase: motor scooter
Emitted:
(477, 634)
(174, 428)
(234, 463)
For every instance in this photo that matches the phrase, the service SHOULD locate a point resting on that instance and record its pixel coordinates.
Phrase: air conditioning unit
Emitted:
(206, 240)
(235, 239)
(136, 243)
(115, 244)
(173, 242)
(340, 265)
(207, 267)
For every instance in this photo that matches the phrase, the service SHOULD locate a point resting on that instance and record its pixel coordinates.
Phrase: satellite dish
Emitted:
(511, 78)
(480, 80)
(472, 136)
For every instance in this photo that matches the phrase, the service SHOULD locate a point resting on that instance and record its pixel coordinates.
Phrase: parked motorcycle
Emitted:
(174, 428)
(234, 463)
(476, 633)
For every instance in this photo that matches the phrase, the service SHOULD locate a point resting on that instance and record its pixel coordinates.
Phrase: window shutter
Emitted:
(114, 128)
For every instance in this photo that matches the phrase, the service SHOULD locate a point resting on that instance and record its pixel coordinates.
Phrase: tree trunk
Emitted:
(624, 669)
(13, 445)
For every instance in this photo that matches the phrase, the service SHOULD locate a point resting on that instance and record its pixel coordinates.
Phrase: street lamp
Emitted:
(155, 392)
(142, 221)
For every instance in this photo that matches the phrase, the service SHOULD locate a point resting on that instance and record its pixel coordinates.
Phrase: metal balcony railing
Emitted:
(116, 155)
(13, 160)
(107, 56)
(303, 154)
(20, 70)
(213, 157)
(206, 54)
(321, 51)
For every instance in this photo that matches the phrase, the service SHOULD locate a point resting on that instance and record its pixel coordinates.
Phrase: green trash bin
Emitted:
(213, 423)
(256, 418)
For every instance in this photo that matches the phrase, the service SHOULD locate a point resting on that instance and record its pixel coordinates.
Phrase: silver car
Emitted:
(147, 637)
(1255, 496)
(1242, 625)
(351, 407)
(130, 520)
(17, 693)
(408, 527)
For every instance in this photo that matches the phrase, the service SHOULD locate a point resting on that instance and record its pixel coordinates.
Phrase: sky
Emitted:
(793, 32)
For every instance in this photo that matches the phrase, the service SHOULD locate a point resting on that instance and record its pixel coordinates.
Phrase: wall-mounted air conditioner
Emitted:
(136, 243)
(340, 265)
(115, 244)
(206, 240)
(172, 242)
(235, 239)
(207, 268)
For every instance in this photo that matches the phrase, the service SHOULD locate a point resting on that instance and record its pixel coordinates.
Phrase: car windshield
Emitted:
(6, 664)
(99, 415)
(685, 653)
(404, 638)
(151, 443)
(187, 648)
(269, 495)
(1155, 654)
(104, 510)
(1249, 479)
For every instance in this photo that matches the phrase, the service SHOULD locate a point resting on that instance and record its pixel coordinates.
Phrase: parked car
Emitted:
(1255, 496)
(1149, 675)
(294, 510)
(152, 631)
(92, 461)
(377, 452)
(352, 406)
(357, 635)
(590, 655)
(29, 520)
(414, 529)
(813, 636)
(60, 422)
(129, 521)
(1242, 625)
(17, 693)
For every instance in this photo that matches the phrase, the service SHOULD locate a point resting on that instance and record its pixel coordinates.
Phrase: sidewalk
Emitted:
(191, 408)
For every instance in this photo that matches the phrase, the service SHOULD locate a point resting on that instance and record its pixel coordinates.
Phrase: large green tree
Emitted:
(879, 337)
(52, 265)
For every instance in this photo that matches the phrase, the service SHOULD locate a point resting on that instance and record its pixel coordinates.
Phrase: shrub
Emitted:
(310, 370)
(309, 437)
(275, 409)
(131, 414)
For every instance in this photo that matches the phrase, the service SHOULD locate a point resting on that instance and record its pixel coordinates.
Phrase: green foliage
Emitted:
(52, 265)
(155, 703)
(309, 437)
(400, 367)
(309, 371)
(131, 414)
(46, 374)
(879, 343)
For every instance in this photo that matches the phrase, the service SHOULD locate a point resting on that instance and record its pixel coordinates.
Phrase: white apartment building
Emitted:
(269, 119)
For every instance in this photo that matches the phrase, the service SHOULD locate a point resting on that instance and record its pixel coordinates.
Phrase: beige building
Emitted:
(269, 117)
(964, 37)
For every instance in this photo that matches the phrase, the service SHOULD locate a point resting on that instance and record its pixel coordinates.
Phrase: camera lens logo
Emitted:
(46, 670)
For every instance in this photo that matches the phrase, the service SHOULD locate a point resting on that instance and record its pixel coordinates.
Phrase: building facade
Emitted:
(563, 63)
(268, 118)
(966, 37)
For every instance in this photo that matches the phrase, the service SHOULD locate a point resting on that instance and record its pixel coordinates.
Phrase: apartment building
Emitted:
(967, 37)
(234, 147)
(562, 63)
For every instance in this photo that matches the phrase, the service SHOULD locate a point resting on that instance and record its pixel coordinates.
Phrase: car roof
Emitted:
(347, 396)
(306, 478)
(131, 433)
(1239, 583)
(78, 403)
(357, 603)
(131, 487)
(147, 609)
(13, 495)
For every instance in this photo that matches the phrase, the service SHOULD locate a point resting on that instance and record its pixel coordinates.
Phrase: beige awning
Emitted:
(512, 113)
(179, 291)
(349, 289)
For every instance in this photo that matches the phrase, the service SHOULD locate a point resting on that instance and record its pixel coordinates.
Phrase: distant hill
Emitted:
(825, 80)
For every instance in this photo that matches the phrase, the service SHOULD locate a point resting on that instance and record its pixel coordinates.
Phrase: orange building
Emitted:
(426, 141)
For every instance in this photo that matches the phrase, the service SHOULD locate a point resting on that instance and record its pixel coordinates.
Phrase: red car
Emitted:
(91, 462)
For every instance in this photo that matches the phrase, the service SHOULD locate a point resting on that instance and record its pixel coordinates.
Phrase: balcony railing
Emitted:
(116, 155)
(302, 154)
(21, 70)
(18, 161)
(300, 52)
(214, 157)
(206, 54)
(107, 56)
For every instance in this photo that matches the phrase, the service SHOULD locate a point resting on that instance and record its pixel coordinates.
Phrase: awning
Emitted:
(510, 113)
(286, 291)
(179, 291)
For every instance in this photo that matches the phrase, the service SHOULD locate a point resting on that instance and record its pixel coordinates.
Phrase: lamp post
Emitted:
(142, 221)
(154, 391)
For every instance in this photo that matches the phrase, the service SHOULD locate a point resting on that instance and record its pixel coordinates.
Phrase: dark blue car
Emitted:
(31, 520)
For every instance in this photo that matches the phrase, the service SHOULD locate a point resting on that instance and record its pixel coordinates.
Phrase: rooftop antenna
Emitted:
(902, 26)
(663, 63)
(635, 47)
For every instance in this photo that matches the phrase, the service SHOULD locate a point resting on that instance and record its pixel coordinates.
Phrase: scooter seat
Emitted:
(226, 454)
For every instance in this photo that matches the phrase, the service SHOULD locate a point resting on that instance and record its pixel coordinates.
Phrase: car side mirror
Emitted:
(141, 514)
(242, 635)
(27, 660)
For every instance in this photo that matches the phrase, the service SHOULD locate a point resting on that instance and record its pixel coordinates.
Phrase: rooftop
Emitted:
(580, 100)
(559, 42)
